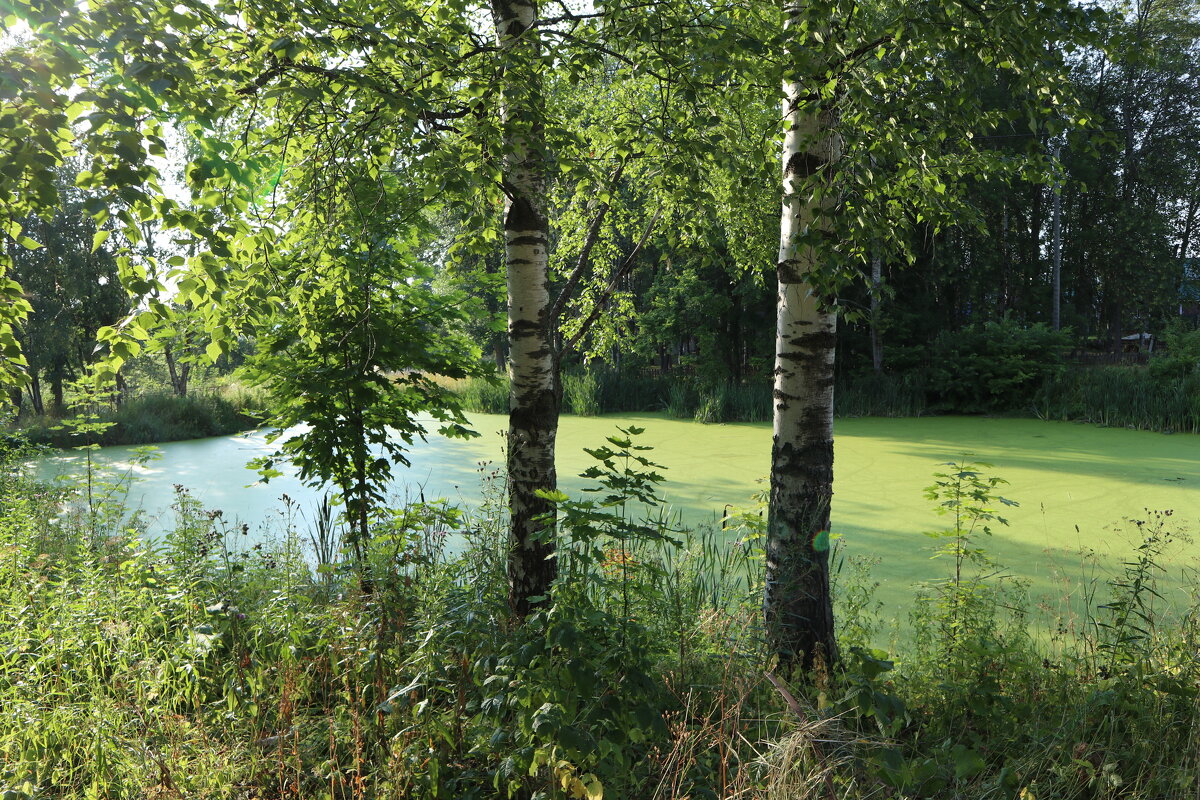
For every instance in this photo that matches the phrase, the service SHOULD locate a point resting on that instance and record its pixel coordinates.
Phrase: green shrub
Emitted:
(996, 366)
(150, 419)
(1180, 357)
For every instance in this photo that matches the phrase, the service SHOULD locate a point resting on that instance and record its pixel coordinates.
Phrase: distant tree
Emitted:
(74, 290)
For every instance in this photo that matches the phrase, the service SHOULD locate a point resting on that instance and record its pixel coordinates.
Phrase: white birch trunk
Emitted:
(533, 385)
(797, 603)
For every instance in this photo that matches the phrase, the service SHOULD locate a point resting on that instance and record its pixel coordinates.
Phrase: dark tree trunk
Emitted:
(58, 405)
(35, 393)
(876, 337)
(178, 372)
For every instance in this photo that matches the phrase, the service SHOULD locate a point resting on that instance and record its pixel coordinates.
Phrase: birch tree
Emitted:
(882, 127)
(533, 374)
(798, 604)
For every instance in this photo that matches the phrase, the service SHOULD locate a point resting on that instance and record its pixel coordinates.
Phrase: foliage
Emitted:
(348, 350)
(74, 289)
(1182, 356)
(970, 498)
(211, 663)
(994, 366)
(155, 418)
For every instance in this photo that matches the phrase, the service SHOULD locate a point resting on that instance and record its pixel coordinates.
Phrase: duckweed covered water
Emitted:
(1075, 484)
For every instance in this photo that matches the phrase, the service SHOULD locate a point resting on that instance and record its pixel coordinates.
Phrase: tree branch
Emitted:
(585, 252)
(620, 273)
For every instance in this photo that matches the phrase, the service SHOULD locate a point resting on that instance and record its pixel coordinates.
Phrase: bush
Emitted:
(1181, 356)
(996, 366)
(153, 418)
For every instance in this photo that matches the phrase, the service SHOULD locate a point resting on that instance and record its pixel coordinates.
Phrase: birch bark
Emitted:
(797, 603)
(533, 385)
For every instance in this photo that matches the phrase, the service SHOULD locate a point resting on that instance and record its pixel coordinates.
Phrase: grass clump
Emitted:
(582, 392)
(480, 395)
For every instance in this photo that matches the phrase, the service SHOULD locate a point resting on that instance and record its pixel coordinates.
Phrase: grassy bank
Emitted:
(154, 418)
(201, 666)
(604, 391)
(1126, 397)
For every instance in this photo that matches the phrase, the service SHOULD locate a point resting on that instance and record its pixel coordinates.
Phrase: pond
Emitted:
(1075, 483)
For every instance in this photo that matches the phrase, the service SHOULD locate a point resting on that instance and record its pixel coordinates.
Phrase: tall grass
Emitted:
(1114, 396)
(873, 394)
(1126, 397)
(582, 392)
(481, 395)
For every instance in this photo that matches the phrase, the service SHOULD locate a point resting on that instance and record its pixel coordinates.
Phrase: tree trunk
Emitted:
(797, 603)
(58, 405)
(173, 371)
(498, 354)
(533, 368)
(1056, 250)
(876, 339)
(35, 392)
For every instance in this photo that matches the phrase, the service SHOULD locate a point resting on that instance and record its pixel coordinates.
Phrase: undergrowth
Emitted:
(211, 663)
(158, 417)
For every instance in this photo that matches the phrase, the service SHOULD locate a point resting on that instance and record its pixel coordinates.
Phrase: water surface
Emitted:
(1075, 483)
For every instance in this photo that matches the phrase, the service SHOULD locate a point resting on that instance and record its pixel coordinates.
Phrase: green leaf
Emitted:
(967, 763)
